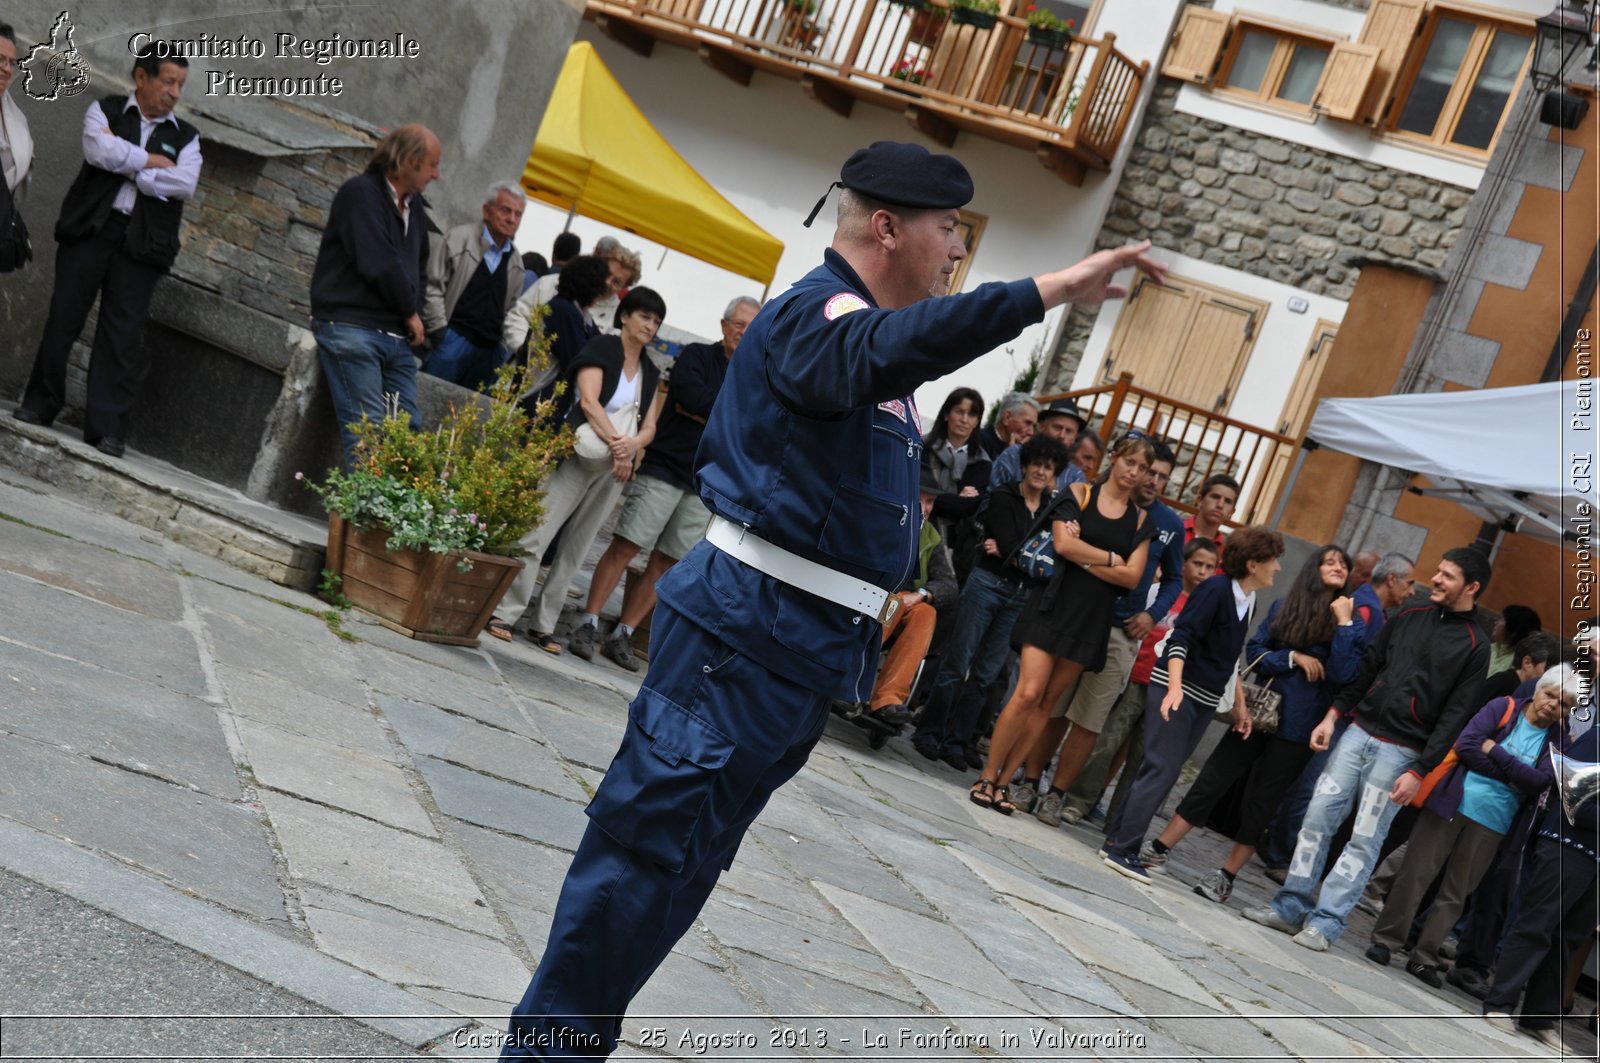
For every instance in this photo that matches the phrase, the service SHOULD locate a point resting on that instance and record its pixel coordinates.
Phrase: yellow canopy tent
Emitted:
(598, 155)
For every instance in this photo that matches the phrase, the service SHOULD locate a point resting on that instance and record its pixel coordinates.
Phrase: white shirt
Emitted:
(627, 391)
(1242, 601)
(103, 148)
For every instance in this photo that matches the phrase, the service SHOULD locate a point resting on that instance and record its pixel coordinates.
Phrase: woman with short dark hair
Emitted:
(618, 402)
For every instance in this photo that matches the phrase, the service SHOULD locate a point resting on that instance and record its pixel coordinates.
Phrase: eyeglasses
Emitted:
(737, 326)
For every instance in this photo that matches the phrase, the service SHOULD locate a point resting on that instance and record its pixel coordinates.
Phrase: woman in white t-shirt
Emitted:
(618, 404)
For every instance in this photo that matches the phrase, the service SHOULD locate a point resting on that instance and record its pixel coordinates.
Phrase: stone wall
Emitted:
(1297, 215)
(252, 230)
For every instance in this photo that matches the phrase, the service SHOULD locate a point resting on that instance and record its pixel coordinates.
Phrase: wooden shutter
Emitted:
(1391, 27)
(1344, 81)
(1197, 45)
(1148, 333)
(1212, 356)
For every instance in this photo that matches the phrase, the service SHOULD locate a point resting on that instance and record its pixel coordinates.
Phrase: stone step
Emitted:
(211, 518)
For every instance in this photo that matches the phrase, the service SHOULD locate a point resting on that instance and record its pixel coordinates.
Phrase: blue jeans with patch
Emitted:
(1361, 772)
(361, 366)
(457, 360)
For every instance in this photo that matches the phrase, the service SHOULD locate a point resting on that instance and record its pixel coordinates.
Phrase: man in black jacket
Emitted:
(1414, 693)
(369, 282)
(118, 233)
(661, 512)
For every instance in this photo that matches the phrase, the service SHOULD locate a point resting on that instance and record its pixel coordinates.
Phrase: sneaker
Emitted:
(1311, 938)
(1426, 973)
(1071, 814)
(1447, 948)
(1549, 1036)
(1049, 810)
(618, 649)
(581, 641)
(1378, 954)
(1268, 916)
(1370, 904)
(1024, 795)
(1471, 981)
(1215, 886)
(1152, 860)
(1124, 864)
(1500, 1021)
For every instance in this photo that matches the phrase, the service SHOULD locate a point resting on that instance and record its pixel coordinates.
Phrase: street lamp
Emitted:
(1560, 34)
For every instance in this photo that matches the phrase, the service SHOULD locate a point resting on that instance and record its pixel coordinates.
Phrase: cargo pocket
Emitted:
(867, 529)
(656, 792)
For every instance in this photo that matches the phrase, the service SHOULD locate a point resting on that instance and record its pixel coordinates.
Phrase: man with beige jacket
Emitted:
(474, 279)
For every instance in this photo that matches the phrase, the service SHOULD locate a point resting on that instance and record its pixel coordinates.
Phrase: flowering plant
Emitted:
(1043, 19)
(983, 7)
(910, 70)
(472, 483)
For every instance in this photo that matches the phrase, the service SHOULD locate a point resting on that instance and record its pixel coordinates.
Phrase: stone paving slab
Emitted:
(743, 932)
(489, 802)
(25, 499)
(115, 719)
(290, 707)
(138, 586)
(428, 731)
(412, 952)
(216, 848)
(316, 662)
(333, 776)
(366, 859)
(116, 640)
(278, 612)
(850, 866)
(582, 739)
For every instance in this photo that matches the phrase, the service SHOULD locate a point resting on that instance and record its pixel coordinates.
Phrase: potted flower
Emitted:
(926, 23)
(423, 529)
(1048, 31)
(914, 5)
(981, 13)
(910, 71)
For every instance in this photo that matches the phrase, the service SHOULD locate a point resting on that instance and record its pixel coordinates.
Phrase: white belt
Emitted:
(739, 542)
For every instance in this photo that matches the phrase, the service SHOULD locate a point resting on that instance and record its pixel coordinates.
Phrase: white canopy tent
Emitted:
(1511, 455)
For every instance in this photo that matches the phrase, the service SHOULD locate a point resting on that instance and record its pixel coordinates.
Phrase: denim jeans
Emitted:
(1278, 849)
(362, 365)
(977, 645)
(1361, 771)
(458, 361)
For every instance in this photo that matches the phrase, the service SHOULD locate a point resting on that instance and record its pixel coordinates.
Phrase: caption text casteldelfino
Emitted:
(318, 50)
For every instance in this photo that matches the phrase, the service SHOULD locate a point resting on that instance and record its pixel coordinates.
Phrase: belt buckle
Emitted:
(891, 606)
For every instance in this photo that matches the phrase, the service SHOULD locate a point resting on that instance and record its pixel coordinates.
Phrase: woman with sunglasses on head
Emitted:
(1307, 648)
(1101, 537)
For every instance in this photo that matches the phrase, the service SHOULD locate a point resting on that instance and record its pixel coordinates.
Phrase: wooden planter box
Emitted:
(420, 594)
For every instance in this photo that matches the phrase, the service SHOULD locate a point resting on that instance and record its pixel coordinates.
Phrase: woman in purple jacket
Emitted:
(1492, 791)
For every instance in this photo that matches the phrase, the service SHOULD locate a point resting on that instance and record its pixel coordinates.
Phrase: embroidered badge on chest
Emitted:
(842, 304)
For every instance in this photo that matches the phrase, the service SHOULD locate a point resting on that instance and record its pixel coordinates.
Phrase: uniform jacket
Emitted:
(451, 264)
(1305, 703)
(816, 446)
(1417, 680)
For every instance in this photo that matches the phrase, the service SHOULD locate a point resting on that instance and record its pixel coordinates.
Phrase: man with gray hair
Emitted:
(661, 511)
(474, 279)
(1017, 414)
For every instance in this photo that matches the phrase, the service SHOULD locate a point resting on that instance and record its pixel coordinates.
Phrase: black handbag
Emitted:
(15, 249)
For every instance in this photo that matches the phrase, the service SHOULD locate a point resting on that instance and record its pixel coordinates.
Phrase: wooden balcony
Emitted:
(1069, 102)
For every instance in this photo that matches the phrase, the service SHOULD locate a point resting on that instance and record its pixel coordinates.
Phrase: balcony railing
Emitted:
(1068, 99)
(1205, 443)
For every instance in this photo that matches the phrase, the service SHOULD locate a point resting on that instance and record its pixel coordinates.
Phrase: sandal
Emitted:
(1002, 802)
(982, 793)
(498, 628)
(545, 642)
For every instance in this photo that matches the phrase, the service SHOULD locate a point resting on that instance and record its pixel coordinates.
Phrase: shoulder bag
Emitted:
(15, 249)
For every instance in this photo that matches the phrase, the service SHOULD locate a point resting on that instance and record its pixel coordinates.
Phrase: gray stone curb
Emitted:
(229, 939)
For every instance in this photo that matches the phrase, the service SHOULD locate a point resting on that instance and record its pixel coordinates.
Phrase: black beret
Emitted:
(903, 175)
(907, 175)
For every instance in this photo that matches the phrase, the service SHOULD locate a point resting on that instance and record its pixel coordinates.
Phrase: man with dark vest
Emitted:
(368, 284)
(118, 233)
(810, 466)
(474, 279)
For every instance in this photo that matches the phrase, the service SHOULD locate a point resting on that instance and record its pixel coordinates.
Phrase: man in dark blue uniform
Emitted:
(809, 464)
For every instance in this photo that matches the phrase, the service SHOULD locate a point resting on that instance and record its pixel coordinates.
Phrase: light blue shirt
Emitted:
(1491, 802)
(492, 254)
(1007, 469)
